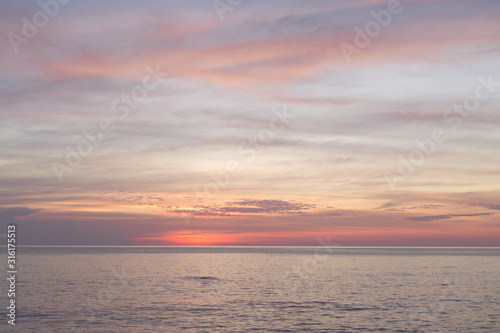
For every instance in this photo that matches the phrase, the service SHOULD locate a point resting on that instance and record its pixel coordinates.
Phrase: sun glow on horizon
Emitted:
(184, 238)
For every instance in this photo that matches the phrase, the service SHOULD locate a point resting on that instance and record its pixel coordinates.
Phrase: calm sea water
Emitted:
(249, 289)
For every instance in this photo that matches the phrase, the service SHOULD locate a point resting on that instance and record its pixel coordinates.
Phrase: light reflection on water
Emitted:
(282, 289)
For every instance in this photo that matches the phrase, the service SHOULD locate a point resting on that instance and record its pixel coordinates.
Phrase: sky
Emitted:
(238, 122)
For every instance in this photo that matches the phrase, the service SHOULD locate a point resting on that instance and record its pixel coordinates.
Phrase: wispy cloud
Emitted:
(246, 206)
(489, 206)
(271, 206)
(444, 217)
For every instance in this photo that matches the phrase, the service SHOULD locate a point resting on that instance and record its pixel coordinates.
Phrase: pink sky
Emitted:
(163, 124)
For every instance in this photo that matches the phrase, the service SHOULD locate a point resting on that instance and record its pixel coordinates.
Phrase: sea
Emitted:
(255, 289)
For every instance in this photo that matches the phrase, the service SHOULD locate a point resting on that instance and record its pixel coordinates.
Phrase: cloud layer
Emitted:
(254, 129)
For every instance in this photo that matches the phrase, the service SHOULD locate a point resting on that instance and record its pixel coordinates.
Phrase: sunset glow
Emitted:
(163, 124)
